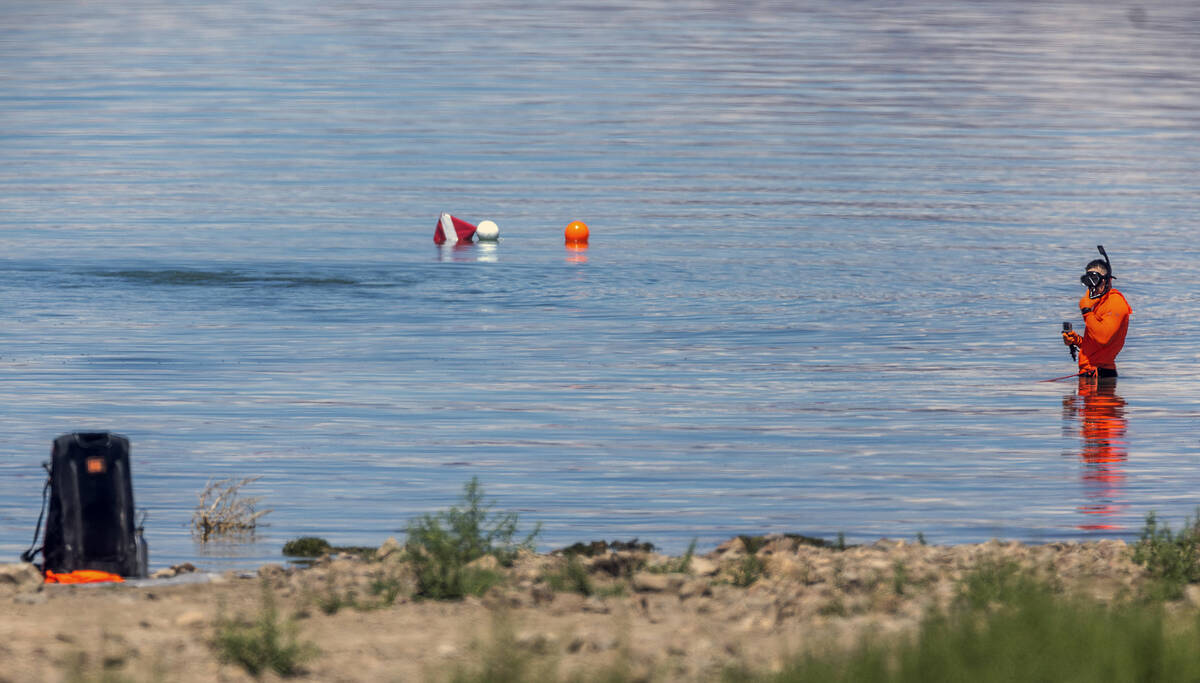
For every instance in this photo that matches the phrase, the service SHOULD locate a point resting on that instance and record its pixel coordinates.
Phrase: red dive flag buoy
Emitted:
(452, 230)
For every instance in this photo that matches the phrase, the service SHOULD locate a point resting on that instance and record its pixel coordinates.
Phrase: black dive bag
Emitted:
(91, 517)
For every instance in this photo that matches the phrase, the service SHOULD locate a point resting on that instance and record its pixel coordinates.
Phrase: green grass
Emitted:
(1008, 626)
(677, 565)
(748, 570)
(263, 644)
(441, 546)
(751, 567)
(1001, 583)
(1172, 560)
(573, 578)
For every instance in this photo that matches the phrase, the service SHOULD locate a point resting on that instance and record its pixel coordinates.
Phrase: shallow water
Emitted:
(832, 246)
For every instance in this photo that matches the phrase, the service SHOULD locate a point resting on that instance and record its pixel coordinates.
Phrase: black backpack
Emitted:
(91, 518)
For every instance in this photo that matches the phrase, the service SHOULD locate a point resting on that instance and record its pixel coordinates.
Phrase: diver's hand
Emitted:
(1086, 304)
(1072, 338)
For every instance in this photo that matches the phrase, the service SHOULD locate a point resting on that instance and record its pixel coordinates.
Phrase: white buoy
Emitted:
(487, 230)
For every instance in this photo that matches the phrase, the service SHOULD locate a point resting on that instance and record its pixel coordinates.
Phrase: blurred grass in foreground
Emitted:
(1008, 626)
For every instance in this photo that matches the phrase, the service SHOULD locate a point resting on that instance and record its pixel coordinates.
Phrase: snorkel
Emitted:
(1093, 281)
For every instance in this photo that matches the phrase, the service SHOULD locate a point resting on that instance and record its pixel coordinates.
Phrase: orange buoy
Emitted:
(576, 232)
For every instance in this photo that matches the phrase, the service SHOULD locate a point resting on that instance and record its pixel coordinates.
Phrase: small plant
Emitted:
(306, 546)
(222, 511)
(749, 570)
(1173, 560)
(677, 565)
(921, 538)
(1001, 582)
(573, 577)
(264, 644)
(751, 567)
(387, 588)
(382, 591)
(442, 546)
(899, 577)
(334, 598)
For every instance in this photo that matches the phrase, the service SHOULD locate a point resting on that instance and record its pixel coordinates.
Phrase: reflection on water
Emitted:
(577, 253)
(1100, 414)
(461, 252)
(488, 252)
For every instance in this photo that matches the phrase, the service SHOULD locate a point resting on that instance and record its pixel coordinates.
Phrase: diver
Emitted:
(1106, 317)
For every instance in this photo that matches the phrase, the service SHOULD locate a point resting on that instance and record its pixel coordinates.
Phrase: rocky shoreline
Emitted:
(603, 607)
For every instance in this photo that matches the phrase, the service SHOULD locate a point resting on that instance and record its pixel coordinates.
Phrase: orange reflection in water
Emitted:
(1100, 412)
(576, 252)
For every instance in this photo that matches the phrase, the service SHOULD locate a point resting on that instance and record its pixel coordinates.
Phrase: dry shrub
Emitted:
(223, 511)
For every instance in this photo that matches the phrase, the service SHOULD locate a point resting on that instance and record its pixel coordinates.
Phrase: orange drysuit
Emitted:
(1107, 323)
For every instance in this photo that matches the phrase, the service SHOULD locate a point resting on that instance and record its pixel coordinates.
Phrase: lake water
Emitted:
(832, 245)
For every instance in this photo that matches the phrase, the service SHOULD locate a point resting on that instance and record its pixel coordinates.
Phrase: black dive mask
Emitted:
(1095, 282)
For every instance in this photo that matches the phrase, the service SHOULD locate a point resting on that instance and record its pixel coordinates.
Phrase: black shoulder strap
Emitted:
(28, 555)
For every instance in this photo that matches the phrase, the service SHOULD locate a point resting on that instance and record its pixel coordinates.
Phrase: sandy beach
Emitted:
(644, 615)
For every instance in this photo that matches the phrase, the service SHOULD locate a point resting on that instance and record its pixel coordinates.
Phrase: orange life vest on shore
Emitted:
(83, 576)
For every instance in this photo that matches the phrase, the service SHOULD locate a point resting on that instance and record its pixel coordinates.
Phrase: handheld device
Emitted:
(1067, 328)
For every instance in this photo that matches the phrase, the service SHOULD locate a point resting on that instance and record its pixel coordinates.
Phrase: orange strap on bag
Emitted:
(83, 576)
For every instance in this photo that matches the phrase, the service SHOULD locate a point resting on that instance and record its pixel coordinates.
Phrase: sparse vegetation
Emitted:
(224, 511)
(384, 587)
(1173, 560)
(1010, 626)
(333, 598)
(751, 567)
(306, 546)
(677, 565)
(442, 547)
(1014, 615)
(573, 577)
(264, 644)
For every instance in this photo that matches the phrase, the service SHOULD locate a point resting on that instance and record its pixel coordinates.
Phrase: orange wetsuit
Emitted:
(1107, 323)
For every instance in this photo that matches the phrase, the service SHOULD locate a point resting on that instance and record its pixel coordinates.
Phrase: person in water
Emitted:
(1106, 317)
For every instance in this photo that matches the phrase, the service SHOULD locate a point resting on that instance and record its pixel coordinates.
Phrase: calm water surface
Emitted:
(832, 246)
